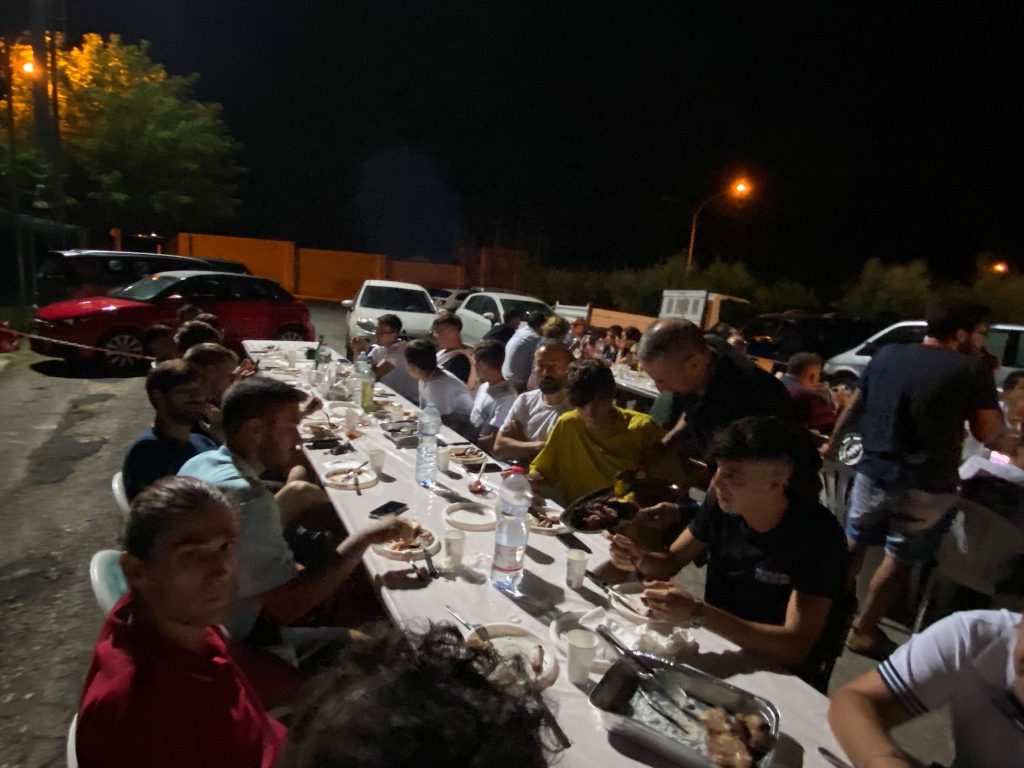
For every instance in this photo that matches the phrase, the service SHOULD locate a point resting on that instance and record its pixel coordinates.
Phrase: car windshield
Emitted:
(526, 307)
(146, 288)
(396, 299)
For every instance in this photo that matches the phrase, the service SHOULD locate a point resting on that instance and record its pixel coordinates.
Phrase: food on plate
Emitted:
(353, 434)
(478, 487)
(603, 514)
(511, 648)
(467, 454)
(319, 431)
(411, 537)
(541, 519)
(735, 741)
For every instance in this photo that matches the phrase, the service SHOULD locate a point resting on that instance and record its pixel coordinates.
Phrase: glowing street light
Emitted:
(740, 189)
(29, 67)
(1000, 267)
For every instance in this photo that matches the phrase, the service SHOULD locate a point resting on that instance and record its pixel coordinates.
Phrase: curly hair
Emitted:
(407, 700)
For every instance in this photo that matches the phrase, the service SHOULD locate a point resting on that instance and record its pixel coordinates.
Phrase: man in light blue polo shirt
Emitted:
(260, 421)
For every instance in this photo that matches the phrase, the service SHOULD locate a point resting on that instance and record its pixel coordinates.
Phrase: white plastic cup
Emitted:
(292, 357)
(376, 457)
(351, 418)
(454, 546)
(575, 567)
(444, 456)
(582, 650)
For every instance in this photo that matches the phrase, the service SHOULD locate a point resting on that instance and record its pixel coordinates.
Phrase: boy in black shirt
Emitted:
(776, 557)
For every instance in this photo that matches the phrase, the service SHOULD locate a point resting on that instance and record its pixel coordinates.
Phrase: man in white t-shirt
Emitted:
(449, 395)
(534, 413)
(520, 350)
(387, 357)
(494, 395)
(452, 354)
(973, 661)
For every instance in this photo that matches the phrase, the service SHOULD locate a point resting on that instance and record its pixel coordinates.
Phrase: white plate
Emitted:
(626, 600)
(340, 406)
(476, 459)
(471, 516)
(337, 476)
(509, 640)
(554, 530)
(409, 554)
(646, 637)
(316, 427)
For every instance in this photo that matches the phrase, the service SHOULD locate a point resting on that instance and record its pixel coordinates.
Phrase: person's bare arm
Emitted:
(861, 714)
(382, 369)
(510, 443)
(486, 442)
(987, 425)
(310, 587)
(627, 555)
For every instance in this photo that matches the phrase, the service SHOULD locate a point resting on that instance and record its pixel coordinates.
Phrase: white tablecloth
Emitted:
(639, 384)
(411, 602)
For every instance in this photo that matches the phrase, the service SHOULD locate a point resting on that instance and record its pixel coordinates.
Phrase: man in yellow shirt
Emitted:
(591, 444)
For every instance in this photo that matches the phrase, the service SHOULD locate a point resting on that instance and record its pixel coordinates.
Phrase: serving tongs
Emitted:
(649, 680)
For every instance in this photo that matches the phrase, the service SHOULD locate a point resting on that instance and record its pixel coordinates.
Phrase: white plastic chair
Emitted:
(108, 582)
(120, 496)
(72, 755)
(978, 552)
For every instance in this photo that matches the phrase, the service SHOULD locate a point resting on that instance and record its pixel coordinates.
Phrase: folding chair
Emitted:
(117, 488)
(108, 582)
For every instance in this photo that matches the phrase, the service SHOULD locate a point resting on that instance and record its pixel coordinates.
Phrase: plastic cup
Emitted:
(444, 456)
(376, 457)
(454, 546)
(582, 650)
(351, 418)
(575, 567)
(292, 357)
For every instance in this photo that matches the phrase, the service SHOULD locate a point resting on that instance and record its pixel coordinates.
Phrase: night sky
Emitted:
(587, 130)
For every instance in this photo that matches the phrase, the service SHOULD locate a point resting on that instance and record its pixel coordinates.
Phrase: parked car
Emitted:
(450, 298)
(775, 337)
(1004, 341)
(409, 301)
(248, 308)
(81, 273)
(482, 310)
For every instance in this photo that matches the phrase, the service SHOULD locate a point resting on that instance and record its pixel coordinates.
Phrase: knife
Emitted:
(556, 729)
(477, 628)
(430, 561)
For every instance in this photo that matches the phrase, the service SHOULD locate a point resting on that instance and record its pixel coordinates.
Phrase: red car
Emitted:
(248, 308)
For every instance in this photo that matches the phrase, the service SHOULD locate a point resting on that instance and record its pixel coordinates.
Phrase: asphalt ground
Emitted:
(63, 437)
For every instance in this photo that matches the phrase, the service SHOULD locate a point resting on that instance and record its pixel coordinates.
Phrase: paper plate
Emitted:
(556, 528)
(338, 477)
(340, 406)
(511, 640)
(477, 458)
(385, 550)
(626, 600)
(606, 655)
(471, 516)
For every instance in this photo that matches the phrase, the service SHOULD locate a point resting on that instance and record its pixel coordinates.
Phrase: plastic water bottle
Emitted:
(426, 450)
(364, 375)
(512, 533)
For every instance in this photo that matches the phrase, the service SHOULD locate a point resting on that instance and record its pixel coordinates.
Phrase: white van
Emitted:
(410, 302)
(1004, 341)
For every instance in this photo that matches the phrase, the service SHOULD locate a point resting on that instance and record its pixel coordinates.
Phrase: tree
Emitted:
(139, 152)
(889, 292)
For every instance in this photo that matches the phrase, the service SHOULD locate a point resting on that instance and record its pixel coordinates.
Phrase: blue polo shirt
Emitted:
(154, 455)
(264, 559)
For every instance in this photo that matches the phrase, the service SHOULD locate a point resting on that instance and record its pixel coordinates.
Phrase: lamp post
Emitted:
(739, 189)
(12, 183)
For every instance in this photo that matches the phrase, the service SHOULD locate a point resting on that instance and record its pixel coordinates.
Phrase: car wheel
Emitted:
(291, 333)
(120, 345)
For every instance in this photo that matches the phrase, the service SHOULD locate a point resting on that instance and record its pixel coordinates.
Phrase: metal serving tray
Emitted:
(613, 695)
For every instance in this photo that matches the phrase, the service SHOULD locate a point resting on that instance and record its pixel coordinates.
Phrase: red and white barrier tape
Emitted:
(76, 345)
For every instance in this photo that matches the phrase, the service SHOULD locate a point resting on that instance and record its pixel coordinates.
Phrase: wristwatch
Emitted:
(697, 616)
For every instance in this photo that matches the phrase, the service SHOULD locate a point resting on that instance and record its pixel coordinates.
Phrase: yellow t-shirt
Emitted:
(576, 460)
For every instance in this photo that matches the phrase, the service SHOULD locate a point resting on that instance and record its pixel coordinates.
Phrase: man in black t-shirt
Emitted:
(777, 559)
(452, 354)
(910, 411)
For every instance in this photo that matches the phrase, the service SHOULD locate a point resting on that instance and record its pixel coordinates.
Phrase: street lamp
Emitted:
(29, 67)
(739, 189)
(1000, 267)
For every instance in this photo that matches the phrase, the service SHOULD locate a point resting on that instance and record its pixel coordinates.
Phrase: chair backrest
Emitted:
(980, 549)
(108, 582)
(72, 753)
(120, 496)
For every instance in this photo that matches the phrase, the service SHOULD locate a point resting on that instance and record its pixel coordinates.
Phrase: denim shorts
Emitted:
(910, 522)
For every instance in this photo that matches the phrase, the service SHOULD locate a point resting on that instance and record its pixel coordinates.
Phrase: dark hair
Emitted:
(160, 507)
(208, 353)
(1011, 380)
(589, 379)
(165, 376)
(944, 321)
(394, 322)
(422, 353)
(671, 338)
(536, 319)
(187, 310)
(255, 398)
(632, 333)
(196, 332)
(447, 318)
(514, 313)
(801, 361)
(767, 438)
(490, 352)
(156, 332)
(615, 330)
(407, 700)
(210, 319)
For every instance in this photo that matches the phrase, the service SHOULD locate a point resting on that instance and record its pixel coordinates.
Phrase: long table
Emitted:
(412, 603)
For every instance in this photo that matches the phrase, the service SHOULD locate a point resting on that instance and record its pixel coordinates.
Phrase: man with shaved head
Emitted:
(534, 413)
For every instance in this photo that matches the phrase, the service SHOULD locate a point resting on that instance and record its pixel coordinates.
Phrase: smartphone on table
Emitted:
(389, 508)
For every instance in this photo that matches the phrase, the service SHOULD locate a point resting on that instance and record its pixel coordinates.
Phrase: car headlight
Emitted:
(74, 320)
(366, 324)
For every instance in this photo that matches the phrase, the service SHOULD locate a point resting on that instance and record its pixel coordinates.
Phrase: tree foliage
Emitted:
(138, 150)
(890, 292)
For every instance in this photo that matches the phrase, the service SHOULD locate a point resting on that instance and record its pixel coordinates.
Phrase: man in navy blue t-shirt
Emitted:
(175, 392)
(911, 408)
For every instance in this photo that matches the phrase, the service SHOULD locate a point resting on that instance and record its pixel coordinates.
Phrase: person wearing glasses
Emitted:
(973, 661)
